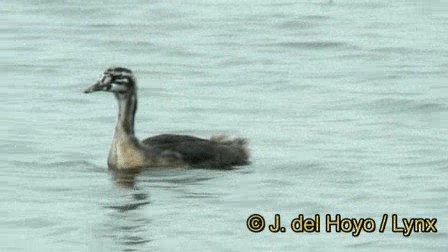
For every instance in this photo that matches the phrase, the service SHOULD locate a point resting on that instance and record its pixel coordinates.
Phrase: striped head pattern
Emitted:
(116, 80)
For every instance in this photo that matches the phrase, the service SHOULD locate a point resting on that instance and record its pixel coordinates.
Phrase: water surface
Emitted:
(345, 106)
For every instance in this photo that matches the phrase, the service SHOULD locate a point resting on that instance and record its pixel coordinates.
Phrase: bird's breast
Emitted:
(125, 155)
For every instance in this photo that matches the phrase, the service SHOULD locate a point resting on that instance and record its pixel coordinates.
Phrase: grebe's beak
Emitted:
(103, 84)
(93, 88)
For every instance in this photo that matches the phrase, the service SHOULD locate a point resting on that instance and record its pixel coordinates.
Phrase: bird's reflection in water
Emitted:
(125, 178)
(128, 225)
(128, 231)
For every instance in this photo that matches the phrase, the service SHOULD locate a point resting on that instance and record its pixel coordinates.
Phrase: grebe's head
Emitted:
(118, 80)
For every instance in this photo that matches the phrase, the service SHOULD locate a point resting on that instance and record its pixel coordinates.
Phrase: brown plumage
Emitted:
(165, 150)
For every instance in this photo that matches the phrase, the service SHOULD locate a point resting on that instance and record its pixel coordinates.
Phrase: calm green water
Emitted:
(345, 106)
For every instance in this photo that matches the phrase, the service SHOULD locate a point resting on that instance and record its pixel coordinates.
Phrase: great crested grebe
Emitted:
(127, 152)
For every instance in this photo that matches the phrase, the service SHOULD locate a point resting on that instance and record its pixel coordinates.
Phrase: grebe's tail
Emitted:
(239, 144)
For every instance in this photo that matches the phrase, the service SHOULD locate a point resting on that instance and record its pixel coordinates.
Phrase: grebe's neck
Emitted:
(127, 107)
(126, 151)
